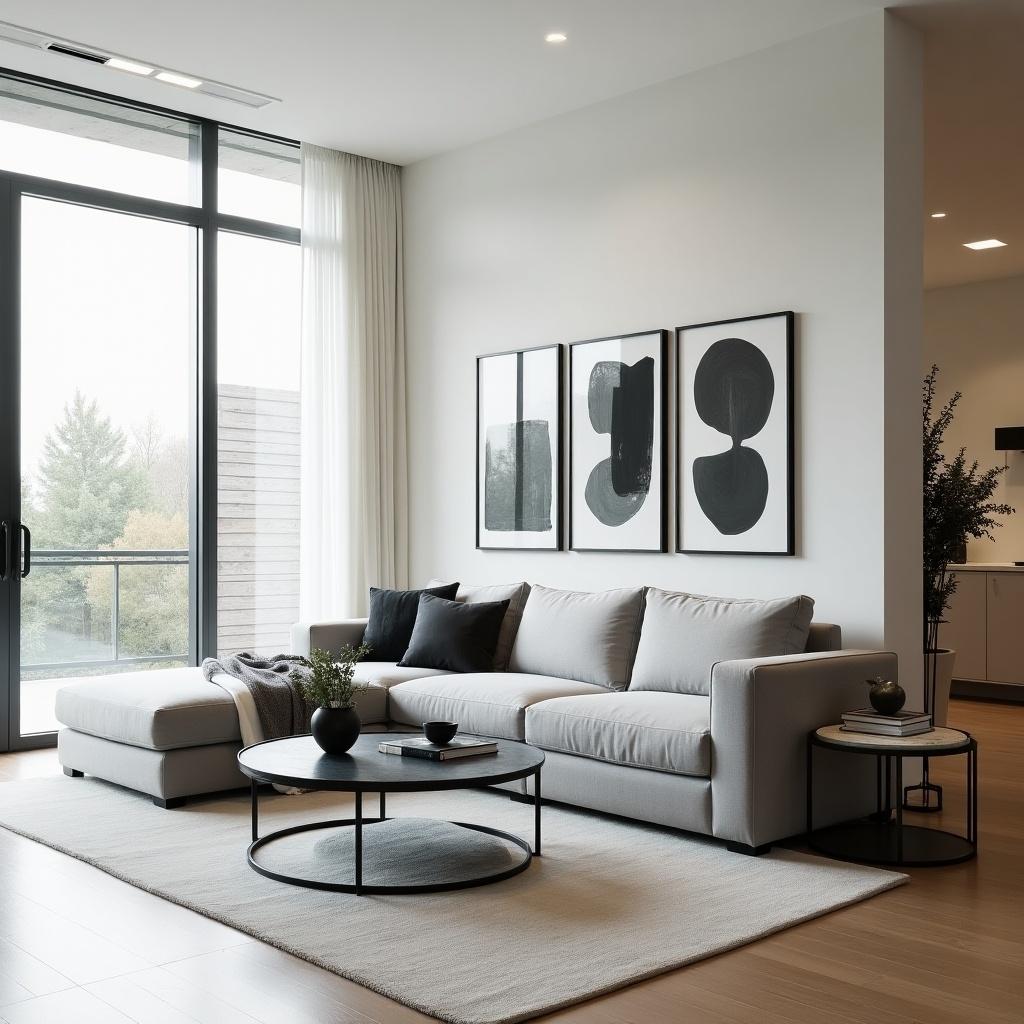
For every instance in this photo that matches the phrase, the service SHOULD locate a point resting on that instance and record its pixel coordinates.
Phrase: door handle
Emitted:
(26, 549)
(5, 549)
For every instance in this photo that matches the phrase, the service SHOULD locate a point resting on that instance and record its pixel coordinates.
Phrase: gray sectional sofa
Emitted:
(676, 709)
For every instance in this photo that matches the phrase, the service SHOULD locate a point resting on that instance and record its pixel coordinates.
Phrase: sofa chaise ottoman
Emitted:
(676, 709)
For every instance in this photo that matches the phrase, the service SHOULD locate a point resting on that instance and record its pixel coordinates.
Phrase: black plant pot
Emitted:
(335, 729)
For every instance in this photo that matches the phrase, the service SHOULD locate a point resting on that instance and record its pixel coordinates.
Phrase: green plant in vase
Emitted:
(326, 681)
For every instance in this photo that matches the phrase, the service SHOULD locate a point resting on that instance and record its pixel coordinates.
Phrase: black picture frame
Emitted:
(661, 456)
(558, 462)
(788, 548)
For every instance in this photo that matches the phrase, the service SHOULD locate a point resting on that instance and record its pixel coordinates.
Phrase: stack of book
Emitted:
(903, 723)
(420, 746)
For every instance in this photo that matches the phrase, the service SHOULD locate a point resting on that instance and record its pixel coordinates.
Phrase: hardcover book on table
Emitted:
(902, 723)
(420, 746)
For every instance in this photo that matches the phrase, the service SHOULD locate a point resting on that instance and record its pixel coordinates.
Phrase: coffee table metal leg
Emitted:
(382, 814)
(359, 843)
(536, 814)
(254, 797)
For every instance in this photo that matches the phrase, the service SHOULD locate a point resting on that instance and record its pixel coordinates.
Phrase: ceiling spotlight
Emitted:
(555, 37)
(120, 64)
(985, 243)
(173, 78)
(938, 216)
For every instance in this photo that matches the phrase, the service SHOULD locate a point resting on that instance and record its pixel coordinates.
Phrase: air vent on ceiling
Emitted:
(117, 62)
(70, 51)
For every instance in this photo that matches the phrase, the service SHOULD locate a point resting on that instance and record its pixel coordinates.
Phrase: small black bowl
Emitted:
(440, 733)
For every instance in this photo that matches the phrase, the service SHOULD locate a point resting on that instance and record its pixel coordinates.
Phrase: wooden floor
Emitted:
(78, 946)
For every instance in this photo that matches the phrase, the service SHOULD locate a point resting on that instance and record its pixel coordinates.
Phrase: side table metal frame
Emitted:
(889, 768)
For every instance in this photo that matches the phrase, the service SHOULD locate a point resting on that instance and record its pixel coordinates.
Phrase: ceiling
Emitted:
(974, 137)
(401, 80)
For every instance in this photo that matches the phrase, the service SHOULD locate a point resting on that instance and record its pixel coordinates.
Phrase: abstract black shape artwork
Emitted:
(519, 449)
(617, 442)
(733, 390)
(620, 398)
(735, 436)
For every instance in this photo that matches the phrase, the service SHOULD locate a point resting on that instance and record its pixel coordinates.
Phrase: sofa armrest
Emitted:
(761, 712)
(328, 636)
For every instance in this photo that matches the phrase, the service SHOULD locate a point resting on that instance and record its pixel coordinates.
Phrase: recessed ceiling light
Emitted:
(120, 64)
(555, 37)
(985, 243)
(938, 216)
(173, 78)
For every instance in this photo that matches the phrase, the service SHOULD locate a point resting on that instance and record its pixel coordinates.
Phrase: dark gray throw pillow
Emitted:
(392, 616)
(455, 637)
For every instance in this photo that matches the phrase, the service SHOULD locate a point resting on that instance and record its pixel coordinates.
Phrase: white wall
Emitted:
(975, 333)
(747, 188)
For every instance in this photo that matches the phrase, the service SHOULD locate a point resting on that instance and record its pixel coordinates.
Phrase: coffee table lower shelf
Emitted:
(359, 888)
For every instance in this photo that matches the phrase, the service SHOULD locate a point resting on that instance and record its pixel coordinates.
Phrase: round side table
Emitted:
(879, 839)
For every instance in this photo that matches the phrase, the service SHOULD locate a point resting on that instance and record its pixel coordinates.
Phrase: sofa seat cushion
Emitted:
(161, 710)
(487, 703)
(388, 674)
(667, 732)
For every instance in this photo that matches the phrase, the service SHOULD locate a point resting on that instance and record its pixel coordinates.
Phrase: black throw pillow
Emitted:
(455, 637)
(392, 616)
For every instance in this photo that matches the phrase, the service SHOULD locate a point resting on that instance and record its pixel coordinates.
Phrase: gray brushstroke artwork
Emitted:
(518, 476)
(620, 400)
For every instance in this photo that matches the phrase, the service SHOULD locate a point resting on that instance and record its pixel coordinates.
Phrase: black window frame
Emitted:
(208, 222)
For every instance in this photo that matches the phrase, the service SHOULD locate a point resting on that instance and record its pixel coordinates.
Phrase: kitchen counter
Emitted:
(986, 567)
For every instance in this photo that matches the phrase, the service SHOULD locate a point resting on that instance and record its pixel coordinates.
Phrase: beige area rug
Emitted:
(608, 903)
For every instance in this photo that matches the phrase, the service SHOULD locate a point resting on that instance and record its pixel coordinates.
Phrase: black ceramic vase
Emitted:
(886, 697)
(335, 729)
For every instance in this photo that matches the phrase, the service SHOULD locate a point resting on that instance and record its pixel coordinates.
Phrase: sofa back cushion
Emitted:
(587, 637)
(392, 616)
(685, 635)
(455, 636)
(514, 593)
(824, 636)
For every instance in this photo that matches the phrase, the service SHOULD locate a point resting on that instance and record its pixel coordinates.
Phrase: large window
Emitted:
(148, 435)
(70, 137)
(258, 453)
(107, 332)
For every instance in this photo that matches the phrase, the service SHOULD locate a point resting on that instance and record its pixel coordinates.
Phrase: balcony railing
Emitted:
(43, 559)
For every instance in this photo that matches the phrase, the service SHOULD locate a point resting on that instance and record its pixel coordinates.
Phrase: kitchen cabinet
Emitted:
(985, 623)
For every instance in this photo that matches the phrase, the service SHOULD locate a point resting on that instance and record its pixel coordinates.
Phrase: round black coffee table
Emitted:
(878, 839)
(298, 762)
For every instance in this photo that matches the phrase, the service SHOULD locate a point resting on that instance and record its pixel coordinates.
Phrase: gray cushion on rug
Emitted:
(514, 593)
(577, 635)
(685, 635)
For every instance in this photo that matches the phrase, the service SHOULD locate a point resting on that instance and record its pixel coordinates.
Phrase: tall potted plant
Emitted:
(957, 506)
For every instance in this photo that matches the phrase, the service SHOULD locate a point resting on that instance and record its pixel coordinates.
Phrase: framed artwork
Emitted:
(617, 450)
(735, 436)
(519, 449)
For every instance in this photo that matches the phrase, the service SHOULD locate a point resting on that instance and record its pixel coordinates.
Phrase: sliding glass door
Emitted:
(124, 461)
(108, 334)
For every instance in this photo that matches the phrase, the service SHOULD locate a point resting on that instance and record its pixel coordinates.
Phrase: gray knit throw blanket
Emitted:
(280, 705)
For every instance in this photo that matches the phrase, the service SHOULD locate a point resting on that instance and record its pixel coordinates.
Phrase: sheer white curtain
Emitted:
(354, 527)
